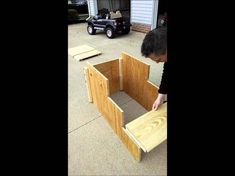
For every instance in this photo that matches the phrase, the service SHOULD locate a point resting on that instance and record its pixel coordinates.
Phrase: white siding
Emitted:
(92, 7)
(142, 11)
(155, 12)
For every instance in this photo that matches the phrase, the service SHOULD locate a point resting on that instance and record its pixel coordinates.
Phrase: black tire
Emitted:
(110, 32)
(91, 30)
(126, 31)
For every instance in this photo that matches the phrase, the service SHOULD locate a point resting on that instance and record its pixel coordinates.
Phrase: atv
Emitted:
(110, 22)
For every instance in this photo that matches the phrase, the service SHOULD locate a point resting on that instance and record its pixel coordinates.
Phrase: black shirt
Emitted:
(163, 85)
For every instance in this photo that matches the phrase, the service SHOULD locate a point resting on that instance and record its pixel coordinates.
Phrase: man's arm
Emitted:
(163, 85)
(162, 89)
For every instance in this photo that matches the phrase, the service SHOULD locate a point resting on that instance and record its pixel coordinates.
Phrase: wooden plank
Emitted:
(121, 73)
(117, 112)
(150, 129)
(135, 81)
(87, 55)
(150, 93)
(100, 92)
(131, 146)
(95, 69)
(86, 72)
(131, 136)
(134, 77)
(110, 70)
(99, 88)
(79, 49)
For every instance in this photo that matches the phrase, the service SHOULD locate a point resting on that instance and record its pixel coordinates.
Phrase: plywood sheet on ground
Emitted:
(150, 129)
(83, 52)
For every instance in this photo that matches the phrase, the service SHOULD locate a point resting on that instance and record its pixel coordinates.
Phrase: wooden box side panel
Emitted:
(135, 81)
(130, 145)
(99, 86)
(88, 86)
(117, 112)
(150, 94)
(110, 70)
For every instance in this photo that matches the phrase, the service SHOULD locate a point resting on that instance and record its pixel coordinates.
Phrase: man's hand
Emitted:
(160, 99)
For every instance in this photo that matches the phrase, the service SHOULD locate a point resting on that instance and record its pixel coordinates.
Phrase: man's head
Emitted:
(154, 45)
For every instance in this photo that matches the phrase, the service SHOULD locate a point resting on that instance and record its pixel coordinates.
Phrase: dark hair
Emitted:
(155, 42)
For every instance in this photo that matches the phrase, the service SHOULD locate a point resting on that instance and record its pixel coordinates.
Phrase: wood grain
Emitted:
(87, 55)
(79, 49)
(110, 70)
(117, 112)
(150, 129)
(136, 83)
(121, 73)
(150, 93)
(131, 146)
(87, 79)
(100, 93)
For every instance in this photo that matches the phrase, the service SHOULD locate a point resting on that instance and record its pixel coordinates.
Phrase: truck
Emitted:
(111, 23)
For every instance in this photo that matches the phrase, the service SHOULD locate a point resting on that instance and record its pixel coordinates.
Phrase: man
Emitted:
(154, 46)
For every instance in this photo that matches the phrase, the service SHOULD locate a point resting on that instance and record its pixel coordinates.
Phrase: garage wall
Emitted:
(143, 14)
(113, 4)
(141, 11)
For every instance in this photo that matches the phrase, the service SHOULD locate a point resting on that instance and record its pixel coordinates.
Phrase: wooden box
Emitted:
(130, 75)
